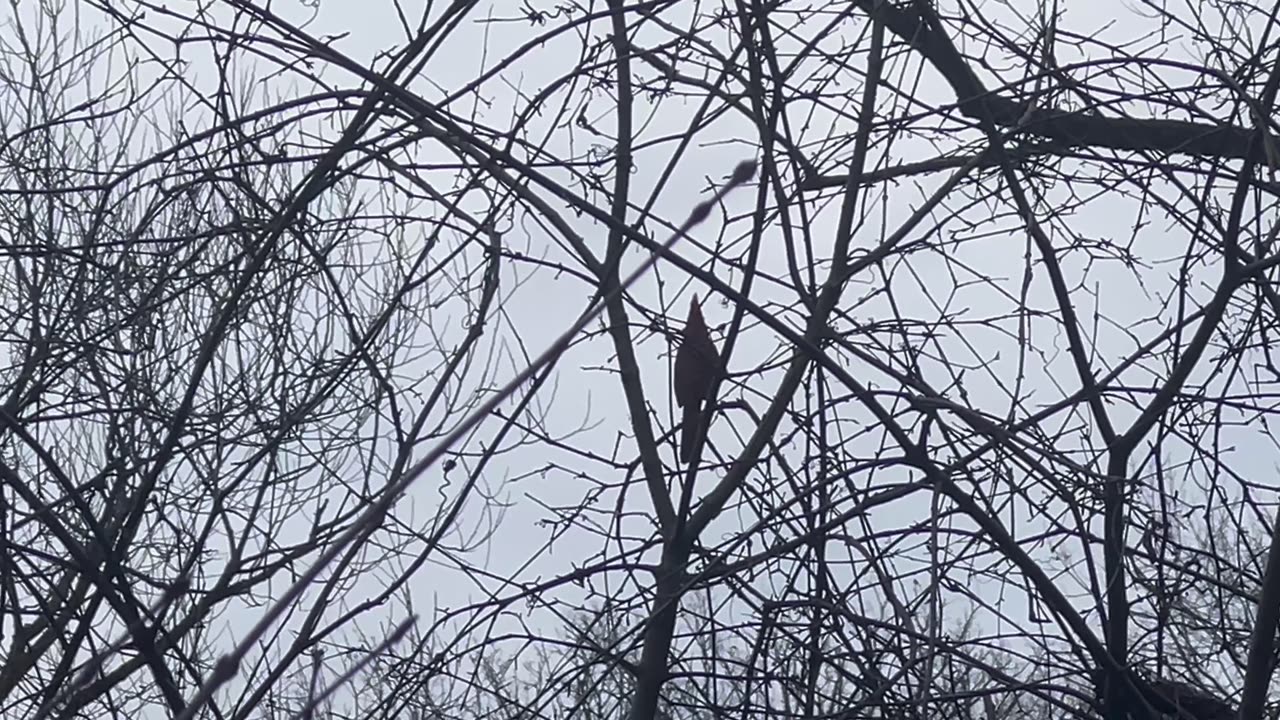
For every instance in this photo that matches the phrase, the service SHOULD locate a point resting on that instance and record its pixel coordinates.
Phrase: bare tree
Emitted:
(223, 339)
(989, 433)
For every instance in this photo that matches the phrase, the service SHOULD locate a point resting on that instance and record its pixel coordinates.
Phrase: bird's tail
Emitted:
(689, 425)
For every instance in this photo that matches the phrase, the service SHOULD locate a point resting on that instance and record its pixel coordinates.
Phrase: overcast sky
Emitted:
(587, 396)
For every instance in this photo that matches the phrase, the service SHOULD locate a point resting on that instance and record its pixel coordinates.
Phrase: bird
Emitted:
(697, 364)
(1172, 699)
(1173, 696)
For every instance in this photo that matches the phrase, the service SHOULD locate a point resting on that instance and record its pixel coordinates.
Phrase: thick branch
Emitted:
(1072, 129)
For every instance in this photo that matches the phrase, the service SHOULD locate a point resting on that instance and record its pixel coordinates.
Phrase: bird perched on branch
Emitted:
(1172, 699)
(697, 363)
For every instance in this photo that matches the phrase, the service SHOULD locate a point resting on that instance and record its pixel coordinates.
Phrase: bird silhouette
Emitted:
(1170, 698)
(1173, 696)
(697, 363)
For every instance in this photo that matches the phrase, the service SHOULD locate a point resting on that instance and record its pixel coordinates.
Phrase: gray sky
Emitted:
(587, 399)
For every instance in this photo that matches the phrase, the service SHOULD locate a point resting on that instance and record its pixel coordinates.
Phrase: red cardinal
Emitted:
(697, 363)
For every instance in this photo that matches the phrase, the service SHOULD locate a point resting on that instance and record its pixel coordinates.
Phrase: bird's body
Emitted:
(1170, 698)
(697, 362)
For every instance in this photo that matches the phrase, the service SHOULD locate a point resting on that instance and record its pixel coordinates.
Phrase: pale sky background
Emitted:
(542, 305)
